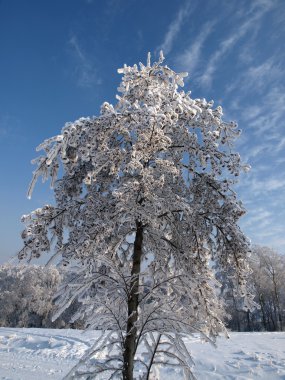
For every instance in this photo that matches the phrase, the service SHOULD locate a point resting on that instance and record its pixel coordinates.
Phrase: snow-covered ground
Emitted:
(37, 354)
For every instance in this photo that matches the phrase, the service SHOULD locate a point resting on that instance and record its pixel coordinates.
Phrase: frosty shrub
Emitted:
(143, 205)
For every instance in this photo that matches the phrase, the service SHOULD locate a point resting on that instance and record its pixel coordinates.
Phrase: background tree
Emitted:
(268, 275)
(26, 295)
(237, 317)
(143, 204)
(267, 284)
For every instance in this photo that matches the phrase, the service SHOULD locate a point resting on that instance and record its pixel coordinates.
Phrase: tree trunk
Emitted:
(261, 302)
(248, 321)
(278, 308)
(236, 312)
(133, 302)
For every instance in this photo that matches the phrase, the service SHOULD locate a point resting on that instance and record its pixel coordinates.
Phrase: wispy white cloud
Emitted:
(269, 121)
(257, 77)
(261, 74)
(189, 58)
(280, 160)
(271, 184)
(251, 22)
(263, 120)
(246, 52)
(85, 71)
(174, 28)
(259, 185)
(264, 229)
(256, 150)
(280, 145)
(251, 111)
(260, 215)
(263, 223)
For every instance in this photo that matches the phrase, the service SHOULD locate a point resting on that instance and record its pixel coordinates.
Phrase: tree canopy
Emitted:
(143, 205)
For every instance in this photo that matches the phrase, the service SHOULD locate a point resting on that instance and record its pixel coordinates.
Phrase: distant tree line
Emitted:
(267, 281)
(26, 297)
(27, 294)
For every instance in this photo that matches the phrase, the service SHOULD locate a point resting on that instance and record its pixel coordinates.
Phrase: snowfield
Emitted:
(37, 354)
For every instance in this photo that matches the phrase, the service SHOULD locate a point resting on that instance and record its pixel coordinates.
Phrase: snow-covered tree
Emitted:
(267, 285)
(143, 205)
(26, 294)
(236, 317)
(26, 297)
(268, 271)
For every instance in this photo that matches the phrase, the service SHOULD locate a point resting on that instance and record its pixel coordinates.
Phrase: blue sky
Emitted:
(59, 61)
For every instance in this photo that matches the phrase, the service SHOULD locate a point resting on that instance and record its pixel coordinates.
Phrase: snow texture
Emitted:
(36, 354)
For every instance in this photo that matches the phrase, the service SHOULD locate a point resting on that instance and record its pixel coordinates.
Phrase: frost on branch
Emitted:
(144, 205)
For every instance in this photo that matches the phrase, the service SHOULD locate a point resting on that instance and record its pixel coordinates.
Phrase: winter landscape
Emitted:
(35, 354)
(155, 248)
